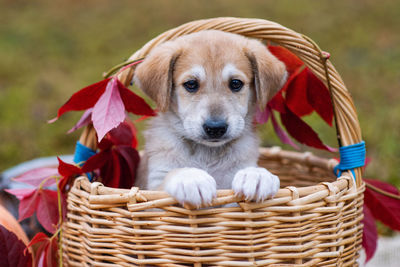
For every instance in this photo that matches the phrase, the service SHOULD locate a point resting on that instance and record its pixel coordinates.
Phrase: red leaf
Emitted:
(51, 254)
(124, 134)
(318, 97)
(281, 133)
(13, 252)
(300, 131)
(291, 61)
(105, 144)
(97, 161)
(134, 142)
(84, 98)
(43, 201)
(117, 166)
(28, 205)
(29, 199)
(134, 103)
(107, 172)
(129, 161)
(21, 193)
(296, 94)
(86, 119)
(67, 170)
(38, 238)
(47, 210)
(64, 181)
(109, 110)
(47, 251)
(62, 184)
(113, 174)
(118, 159)
(36, 176)
(384, 208)
(306, 93)
(42, 242)
(278, 103)
(370, 235)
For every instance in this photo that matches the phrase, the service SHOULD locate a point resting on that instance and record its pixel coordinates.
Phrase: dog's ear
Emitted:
(269, 72)
(154, 76)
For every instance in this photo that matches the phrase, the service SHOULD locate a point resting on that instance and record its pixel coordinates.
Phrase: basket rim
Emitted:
(98, 193)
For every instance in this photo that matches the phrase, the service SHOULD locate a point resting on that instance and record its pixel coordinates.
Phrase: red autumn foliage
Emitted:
(13, 252)
(45, 203)
(37, 176)
(291, 61)
(84, 98)
(296, 94)
(124, 134)
(384, 208)
(302, 132)
(39, 200)
(319, 97)
(47, 250)
(108, 101)
(306, 93)
(118, 159)
(280, 132)
(278, 103)
(378, 206)
(86, 119)
(302, 94)
(68, 173)
(370, 235)
(87, 97)
(134, 103)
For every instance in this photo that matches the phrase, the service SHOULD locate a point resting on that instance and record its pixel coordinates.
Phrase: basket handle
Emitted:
(346, 120)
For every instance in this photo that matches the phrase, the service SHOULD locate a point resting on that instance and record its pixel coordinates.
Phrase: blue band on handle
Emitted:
(82, 153)
(351, 157)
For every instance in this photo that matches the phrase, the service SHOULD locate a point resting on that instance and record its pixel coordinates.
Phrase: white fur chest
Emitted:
(166, 151)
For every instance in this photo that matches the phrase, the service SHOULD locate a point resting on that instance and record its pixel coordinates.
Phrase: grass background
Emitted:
(50, 49)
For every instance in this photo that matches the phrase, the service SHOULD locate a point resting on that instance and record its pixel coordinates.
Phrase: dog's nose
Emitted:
(215, 128)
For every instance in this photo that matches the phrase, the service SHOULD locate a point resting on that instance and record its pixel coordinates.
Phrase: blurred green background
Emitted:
(50, 49)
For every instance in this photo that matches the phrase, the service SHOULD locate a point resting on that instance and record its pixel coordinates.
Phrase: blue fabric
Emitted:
(352, 156)
(82, 153)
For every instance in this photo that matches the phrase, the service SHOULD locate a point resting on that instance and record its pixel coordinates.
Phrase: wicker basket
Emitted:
(313, 221)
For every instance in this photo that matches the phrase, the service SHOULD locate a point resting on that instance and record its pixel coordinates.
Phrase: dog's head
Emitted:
(211, 81)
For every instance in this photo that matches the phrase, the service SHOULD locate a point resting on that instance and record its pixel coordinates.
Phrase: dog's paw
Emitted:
(191, 186)
(255, 184)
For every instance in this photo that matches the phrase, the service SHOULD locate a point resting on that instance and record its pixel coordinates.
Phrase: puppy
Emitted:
(206, 86)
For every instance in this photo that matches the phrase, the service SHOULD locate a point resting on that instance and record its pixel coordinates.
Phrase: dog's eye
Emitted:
(235, 85)
(191, 86)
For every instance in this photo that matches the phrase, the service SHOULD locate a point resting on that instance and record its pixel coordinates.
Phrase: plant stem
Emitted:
(48, 178)
(383, 192)
(117, 67)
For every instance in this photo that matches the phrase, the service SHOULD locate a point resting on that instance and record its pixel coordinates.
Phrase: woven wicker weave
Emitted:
(313, 221)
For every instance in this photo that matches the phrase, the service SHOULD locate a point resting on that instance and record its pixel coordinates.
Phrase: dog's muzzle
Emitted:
(215, 128)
